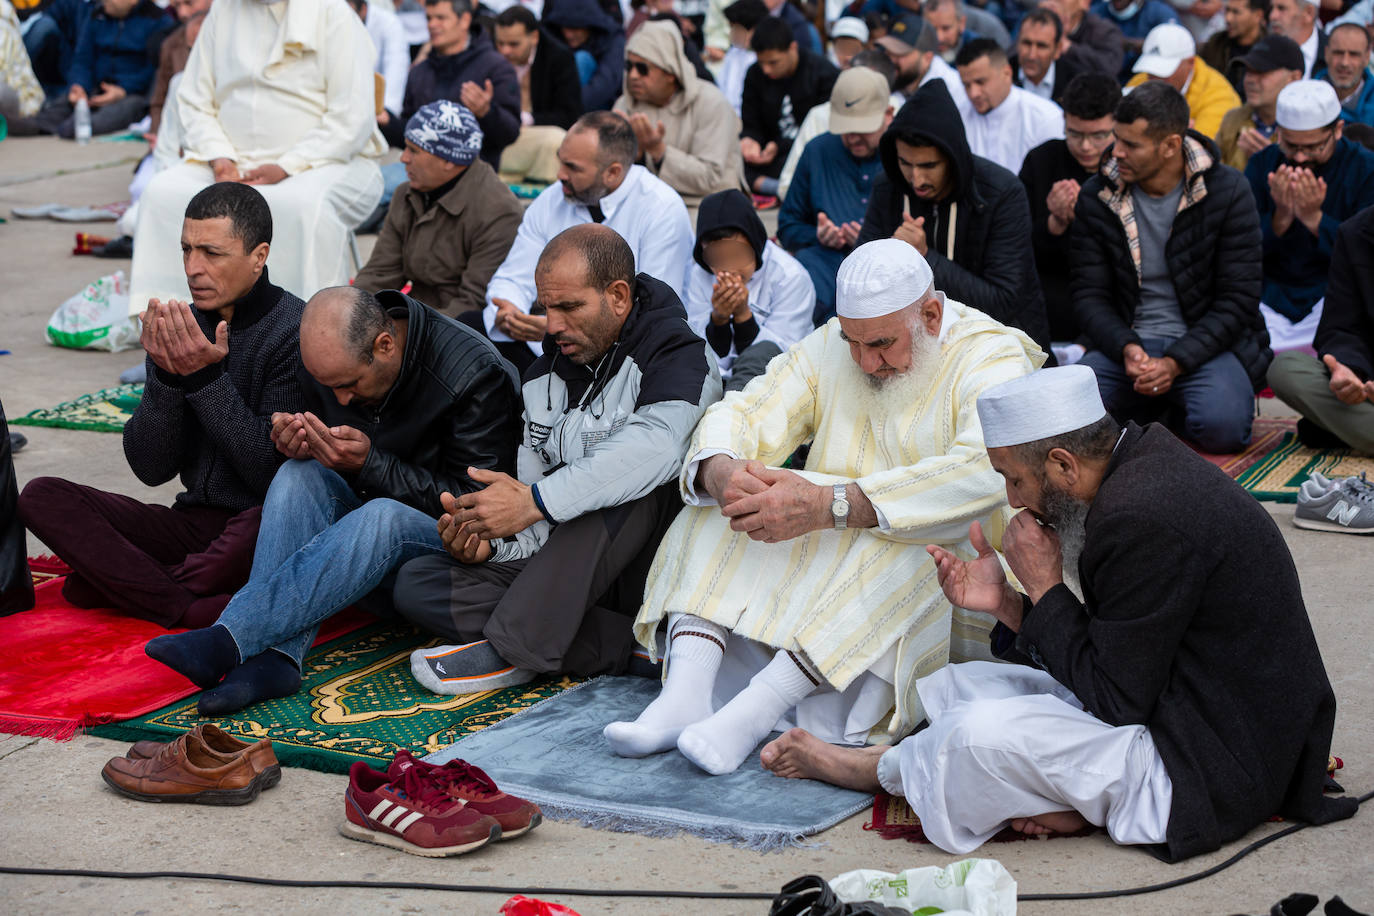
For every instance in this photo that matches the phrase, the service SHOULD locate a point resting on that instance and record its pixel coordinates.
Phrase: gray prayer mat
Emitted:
(554, 755)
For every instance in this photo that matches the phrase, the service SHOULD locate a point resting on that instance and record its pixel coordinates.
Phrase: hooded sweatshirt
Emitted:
(781, 295)
(701, 131)
(977, 235)
(606, 43)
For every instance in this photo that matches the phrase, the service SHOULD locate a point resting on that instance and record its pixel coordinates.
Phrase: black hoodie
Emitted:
(606, 43)
(730, 210)
(990, 263)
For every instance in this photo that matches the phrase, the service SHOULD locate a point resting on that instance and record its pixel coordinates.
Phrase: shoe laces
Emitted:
(413, 785)
(464, 776)
(1359, 488)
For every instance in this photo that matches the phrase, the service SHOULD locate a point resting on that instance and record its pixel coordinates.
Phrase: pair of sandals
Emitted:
(810, 895)
(65, 214)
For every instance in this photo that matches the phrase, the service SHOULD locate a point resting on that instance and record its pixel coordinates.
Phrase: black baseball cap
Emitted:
(1274, 52)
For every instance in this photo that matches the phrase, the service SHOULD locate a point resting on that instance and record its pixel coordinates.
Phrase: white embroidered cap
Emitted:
(880, 278)
(1048, 402)
(1307, 105)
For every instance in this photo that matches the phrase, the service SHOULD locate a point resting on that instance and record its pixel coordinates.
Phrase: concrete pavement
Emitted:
(58, 813)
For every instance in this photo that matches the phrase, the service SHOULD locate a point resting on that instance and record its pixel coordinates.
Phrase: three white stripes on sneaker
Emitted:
(379, 814)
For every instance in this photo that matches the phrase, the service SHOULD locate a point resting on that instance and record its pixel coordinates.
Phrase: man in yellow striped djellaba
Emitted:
(807, 597)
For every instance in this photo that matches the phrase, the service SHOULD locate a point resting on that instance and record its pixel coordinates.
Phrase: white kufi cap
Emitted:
(1048, 402)
(1307, 105)
(880, 278)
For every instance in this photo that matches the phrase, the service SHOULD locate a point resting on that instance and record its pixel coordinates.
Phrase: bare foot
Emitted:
(798, 754)
(1053, 822)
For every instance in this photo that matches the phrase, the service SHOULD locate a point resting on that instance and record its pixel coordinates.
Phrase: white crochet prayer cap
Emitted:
(1307, 105)
(1049, 402)
(880, 278)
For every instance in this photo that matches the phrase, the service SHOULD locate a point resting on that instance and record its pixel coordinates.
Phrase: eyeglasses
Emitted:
(637, 67)
(1096, 136)
(1311, 150)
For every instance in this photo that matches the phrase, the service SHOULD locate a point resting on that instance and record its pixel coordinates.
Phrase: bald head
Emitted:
(350, 344)
(585, 281)
(603, 254)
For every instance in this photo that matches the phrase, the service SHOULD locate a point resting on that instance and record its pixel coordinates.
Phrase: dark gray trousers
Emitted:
(569, 608)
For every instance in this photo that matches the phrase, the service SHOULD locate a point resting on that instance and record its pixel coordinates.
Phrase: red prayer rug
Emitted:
(893, 819)
(66, 668)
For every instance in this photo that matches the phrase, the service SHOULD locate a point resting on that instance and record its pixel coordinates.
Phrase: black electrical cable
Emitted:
(614, 892)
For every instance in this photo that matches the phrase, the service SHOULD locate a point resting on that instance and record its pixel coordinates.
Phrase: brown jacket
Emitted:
(1236, 120)
(450, 251)
(171, 61)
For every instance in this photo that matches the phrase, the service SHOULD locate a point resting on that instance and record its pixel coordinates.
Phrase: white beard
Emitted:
(1069, 517)
(888, 396)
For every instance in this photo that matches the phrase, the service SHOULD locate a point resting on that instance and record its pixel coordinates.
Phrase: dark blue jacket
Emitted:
(827, 179)
(1296, 264)
(606, 43)
(120, 51)
(1359, 108)
(442, 77)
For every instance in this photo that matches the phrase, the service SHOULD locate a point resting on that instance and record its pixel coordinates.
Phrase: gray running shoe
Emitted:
(1347, 507)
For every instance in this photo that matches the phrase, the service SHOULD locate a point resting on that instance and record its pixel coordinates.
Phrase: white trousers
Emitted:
(312, 214)
(1007, 741)
(1292, 335)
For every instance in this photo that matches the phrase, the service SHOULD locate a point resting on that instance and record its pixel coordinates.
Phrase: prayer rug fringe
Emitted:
(35, 727)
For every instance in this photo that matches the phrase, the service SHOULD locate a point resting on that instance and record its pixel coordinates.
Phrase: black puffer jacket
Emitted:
(1346, 329)
(455, 405)
(1214, 255)
(989, 264)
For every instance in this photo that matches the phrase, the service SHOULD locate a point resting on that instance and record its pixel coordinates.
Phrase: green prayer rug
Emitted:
(106, 410)
(358, 702)
(1278, 476)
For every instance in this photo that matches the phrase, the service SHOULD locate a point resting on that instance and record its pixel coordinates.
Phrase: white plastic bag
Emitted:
(96, 318)
(973, 887)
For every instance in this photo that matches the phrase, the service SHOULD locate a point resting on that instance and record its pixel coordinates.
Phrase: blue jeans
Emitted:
(1217, 400)
(43, 41)
(320, 549)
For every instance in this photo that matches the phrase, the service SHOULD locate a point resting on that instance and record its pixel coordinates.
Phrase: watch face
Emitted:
(840, 507)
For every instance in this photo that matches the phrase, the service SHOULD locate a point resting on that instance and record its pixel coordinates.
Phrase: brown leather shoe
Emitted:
(215, 739)
(188, 771)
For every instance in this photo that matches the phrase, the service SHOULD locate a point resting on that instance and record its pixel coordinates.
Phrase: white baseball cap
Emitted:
(1167, 46)
(1307, 105)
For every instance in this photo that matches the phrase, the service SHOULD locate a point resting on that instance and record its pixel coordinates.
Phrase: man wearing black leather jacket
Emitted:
(401, 403)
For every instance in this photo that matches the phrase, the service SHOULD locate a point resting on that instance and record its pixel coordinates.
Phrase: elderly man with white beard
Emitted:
(1177, 698)
(796, 596)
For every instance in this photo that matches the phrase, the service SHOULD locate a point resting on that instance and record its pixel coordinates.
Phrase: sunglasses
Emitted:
(637, 67)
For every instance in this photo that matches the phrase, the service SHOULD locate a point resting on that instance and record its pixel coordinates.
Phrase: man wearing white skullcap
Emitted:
(1306, 185)
(795, 596)
(1165, 685)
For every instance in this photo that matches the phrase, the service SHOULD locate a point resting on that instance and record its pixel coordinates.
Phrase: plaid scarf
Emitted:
(1117, 194)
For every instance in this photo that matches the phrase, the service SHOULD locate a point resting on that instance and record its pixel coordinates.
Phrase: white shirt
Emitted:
(939, 70)
(1309, 51)
(730, 79)
(498, 7)
(648, 214)
(1044, 88)
(1021, 123)
(393, 54)
(781, 298)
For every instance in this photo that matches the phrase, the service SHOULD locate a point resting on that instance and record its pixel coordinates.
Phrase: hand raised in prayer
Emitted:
(790, 506)
(1032, 552)
(1251, 140)
(225, 170)
(288, 435)
(1158, 377)
(729, 297)
(979, 584)
(1345, 384)
(714, 55)
(459, 541)
(109, 92)
(828, 234)
(501, 508)
(750, 150)
(475, 98)
(1307, 193)
(650, 134)
(1281, 189)
(516, 325)
(175, 341)
(913, 232)
(265, 174)
(339, 448)
(729, 480)
(1061, 200)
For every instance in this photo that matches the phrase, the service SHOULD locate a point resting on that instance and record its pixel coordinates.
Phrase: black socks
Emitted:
(266, 676)
(203, 656)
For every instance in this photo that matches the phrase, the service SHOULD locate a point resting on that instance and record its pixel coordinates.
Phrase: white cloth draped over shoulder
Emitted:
(848, 598)
(289, 84)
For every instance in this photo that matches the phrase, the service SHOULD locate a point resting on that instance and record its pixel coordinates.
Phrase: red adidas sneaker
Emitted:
(466, 783)
(412, 814)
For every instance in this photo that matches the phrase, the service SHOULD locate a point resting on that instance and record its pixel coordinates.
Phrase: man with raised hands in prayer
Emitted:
(1158, 704)
(793, 594)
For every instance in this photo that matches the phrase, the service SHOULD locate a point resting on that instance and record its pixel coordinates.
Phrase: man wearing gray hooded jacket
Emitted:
(547, 569)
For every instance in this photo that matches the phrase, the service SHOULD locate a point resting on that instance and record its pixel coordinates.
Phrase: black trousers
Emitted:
(569, 608)
(16, 586)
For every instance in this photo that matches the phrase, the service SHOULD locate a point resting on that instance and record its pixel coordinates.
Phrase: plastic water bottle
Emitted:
(82, 122)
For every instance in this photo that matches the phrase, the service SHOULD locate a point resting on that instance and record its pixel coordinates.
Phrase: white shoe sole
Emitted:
(1313, 524)
(355, 832)
(462, 686)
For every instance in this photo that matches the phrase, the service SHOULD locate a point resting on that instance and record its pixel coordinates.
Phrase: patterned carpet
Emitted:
(1278, 475)
(106, 411)
(358, 702)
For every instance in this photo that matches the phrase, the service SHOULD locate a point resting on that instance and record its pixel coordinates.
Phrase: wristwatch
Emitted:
(839, 508)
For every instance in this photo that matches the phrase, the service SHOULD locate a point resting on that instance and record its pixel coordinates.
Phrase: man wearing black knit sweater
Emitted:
(218, 368)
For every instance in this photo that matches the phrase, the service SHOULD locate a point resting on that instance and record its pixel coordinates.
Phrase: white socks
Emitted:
(721, 743)
(695, 650)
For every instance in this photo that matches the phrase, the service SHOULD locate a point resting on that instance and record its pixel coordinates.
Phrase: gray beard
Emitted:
(1068, 516)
